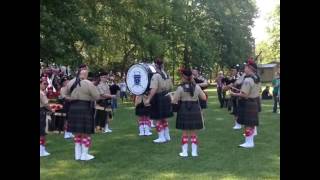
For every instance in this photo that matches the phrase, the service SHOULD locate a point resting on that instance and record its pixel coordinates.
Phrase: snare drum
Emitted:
(139, 77)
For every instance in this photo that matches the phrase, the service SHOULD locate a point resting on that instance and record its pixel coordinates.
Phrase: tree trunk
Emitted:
(186, 57)
(125, 60)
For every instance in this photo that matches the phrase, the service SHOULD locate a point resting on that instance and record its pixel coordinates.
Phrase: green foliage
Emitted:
(271, 47)
(195, 33)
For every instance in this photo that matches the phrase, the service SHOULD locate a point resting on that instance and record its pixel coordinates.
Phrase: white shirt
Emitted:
(123, 87)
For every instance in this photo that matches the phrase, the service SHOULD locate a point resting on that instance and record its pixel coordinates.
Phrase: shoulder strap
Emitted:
(255, 78)
(163, 75)
(74, 85)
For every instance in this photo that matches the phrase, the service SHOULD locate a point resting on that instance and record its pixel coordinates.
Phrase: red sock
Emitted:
(184, 140)
(159, 126)
(248, 131)
(77, 139)
(147, 121)
(194, 139)
(165, 123)
(65, 127)
(86, 141)
(42, 141)
(141, 120)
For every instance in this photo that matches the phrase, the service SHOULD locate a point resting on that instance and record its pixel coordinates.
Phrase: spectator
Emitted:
(123, 90)
(279, 95)
(266, 94)
(52, 79)
(221, 94)
(114, 88)
(275, 85)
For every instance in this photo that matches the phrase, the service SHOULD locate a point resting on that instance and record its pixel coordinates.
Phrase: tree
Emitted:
(62, 25)
(113, 35)
(274, 32)
(271, 47)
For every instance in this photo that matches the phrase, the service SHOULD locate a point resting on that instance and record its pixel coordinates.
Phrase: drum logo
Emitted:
(137, 78)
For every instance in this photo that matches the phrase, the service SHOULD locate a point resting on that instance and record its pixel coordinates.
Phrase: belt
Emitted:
(80, 101)
(163, 93)
(248, 99)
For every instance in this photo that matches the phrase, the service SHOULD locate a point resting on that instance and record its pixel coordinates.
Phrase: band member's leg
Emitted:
(141, 126)
(219, 92)
(107, 124)
(86, 144)
(77, 142)
(249, 135)
(195, 142)
(43, 151)
(223, 98)
(255, 132)
(152, 123)
(160, 130)
(166, 129)
(147, 126)
(66, 133)
(275, 103)
(184, 144)
(236, 124)
(103, 121)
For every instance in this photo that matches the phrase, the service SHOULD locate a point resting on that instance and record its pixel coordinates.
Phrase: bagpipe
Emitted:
(104, 102)
(228, 81)
(229, 85)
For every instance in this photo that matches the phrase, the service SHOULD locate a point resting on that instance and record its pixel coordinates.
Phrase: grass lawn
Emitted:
(124, 155)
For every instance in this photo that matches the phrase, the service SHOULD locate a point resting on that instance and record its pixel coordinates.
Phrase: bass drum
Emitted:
(139, 77)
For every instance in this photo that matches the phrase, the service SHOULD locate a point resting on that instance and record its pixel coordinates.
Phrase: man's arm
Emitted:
(204, 84)
(154, 87)
(151, 94)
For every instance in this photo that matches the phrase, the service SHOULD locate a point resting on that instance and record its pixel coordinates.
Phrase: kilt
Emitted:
(189, 116)
(80, 117)
(259, 104)
(101, 118)
(161, 106)
(203, 103)
(234, 101)
(142, 110)
(248, 112)
(66, 106)
(57, 122)
(42, 121)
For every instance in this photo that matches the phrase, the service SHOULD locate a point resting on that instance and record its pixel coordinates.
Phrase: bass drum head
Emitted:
(138, 78)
